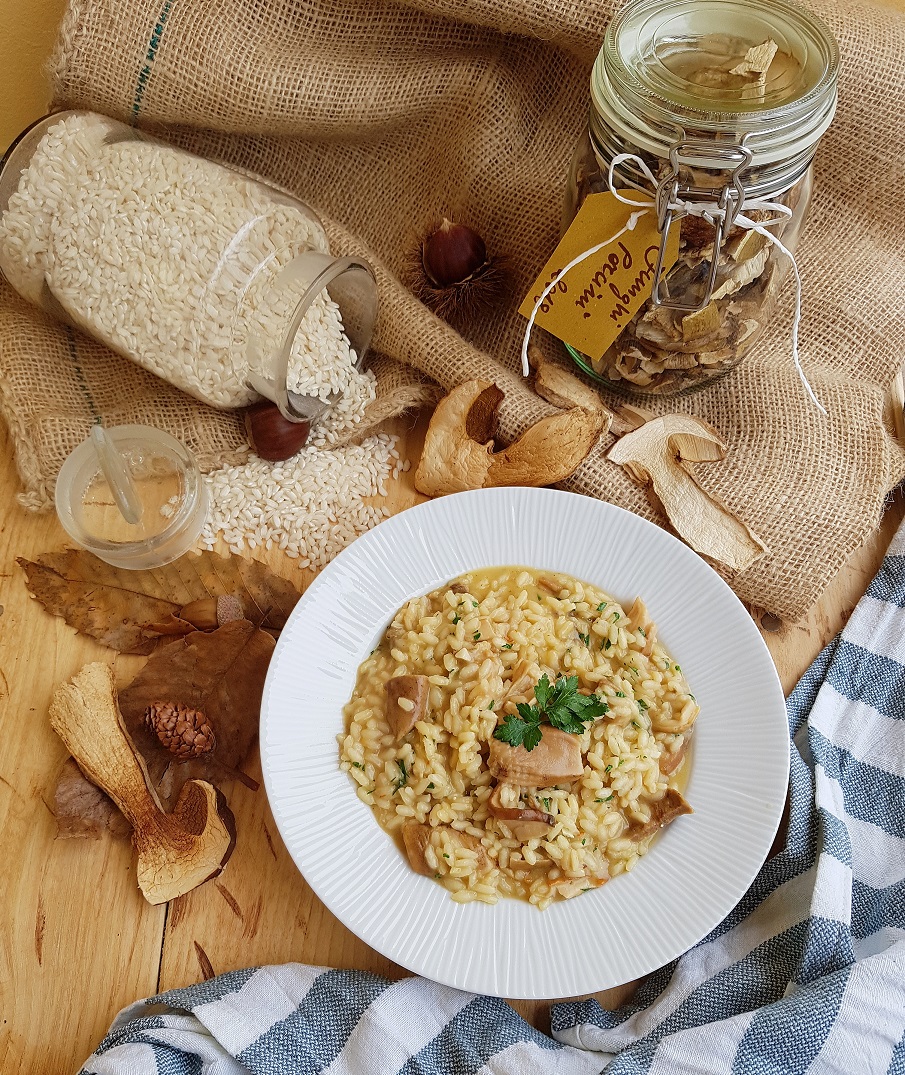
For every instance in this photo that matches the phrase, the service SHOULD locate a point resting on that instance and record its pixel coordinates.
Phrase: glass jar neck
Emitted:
(348, 282)
(729, 72)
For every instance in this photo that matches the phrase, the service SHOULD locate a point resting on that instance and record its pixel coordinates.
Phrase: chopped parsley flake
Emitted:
(508, 645)
(455, 617)
(492, 703)
(605, 644)
(474, 604)
(601, 606)
(610, 796)
(585, 638)
(635, 724)
(357, 765)
(608, 769)
(430, 787)
(620, 694)
(547, 803)
(477, 636)
(642, 704)
(615, 616)
(403, 777)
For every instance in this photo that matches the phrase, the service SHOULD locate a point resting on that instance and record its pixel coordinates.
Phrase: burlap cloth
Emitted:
(384, 116)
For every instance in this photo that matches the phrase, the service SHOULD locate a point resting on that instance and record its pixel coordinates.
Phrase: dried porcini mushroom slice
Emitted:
(755, 66)
(549, 452)
(458, 452)
(630, 416)
(701, 323)
(742, 247)
(743, 273)
(556, 385)
(657, 455)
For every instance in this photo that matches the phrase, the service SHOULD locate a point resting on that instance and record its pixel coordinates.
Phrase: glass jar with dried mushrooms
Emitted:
(719, 102)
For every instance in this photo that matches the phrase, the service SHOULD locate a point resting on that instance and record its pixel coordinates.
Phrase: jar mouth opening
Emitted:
(180, 529)
(347, 281)
(670, 69)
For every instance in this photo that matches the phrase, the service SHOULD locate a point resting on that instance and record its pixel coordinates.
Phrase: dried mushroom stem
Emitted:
(657, 455)
(176, 851)
(458, 449)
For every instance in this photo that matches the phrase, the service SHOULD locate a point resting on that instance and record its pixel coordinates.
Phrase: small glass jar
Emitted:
(725, 102)
(214, 281)
(169, 495)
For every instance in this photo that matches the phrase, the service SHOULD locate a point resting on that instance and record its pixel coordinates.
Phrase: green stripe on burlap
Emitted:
(144, 75)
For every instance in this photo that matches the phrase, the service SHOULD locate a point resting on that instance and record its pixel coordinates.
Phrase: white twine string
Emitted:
(707, 211)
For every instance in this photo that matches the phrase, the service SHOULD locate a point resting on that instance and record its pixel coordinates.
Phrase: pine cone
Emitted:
(184, 731)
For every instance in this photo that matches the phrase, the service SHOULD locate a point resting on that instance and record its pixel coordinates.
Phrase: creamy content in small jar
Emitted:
(671, 78)
(521, 734)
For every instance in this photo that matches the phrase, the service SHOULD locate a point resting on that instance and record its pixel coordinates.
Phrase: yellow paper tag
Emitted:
(594, 302)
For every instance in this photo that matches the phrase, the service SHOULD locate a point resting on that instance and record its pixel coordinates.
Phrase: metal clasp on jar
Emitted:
(727, 202)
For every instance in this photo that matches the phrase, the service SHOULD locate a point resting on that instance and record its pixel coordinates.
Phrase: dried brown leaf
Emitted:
(83, 810)
(130, 611)
(221, 673)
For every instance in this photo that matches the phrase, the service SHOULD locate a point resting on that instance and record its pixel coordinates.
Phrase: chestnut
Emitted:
(272, 436)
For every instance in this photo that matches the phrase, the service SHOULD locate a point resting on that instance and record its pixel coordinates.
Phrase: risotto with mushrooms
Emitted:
(521, 734)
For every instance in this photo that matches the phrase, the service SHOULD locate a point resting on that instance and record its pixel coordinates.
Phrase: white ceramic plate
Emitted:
(698, 868)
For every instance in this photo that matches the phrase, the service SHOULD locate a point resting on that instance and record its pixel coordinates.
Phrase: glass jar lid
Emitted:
(762, 74)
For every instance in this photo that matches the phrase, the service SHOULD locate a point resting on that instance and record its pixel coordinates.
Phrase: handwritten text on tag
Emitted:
(596, 299)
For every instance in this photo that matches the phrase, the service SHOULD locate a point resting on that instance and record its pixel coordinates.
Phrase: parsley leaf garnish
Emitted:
(403, 777)
(557, 704)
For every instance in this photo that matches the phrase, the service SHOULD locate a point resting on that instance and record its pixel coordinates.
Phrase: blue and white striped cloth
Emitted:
(806, 975)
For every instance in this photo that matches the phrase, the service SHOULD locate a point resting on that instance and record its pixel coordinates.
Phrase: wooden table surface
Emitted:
(78, 940)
